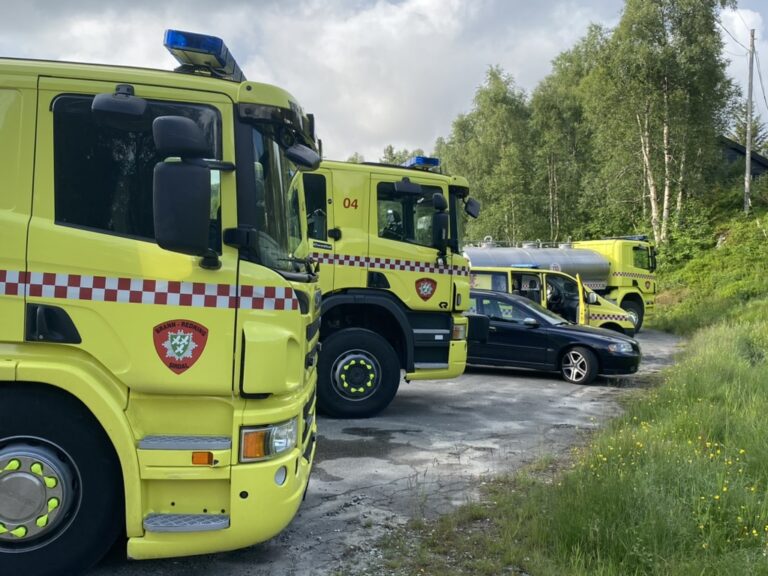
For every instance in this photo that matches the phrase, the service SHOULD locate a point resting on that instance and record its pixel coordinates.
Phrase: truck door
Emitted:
(17, 109)
(321, 229)
(401, 246)
(98, 282)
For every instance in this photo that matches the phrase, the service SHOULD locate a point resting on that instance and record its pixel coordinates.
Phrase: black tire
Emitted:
(359, 374)
(47, 430)
(635, 312)
(578, 365)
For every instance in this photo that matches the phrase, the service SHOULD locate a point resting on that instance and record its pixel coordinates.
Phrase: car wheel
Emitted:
(579, 365)
(60, 484)
(635, 312)
(359, 374)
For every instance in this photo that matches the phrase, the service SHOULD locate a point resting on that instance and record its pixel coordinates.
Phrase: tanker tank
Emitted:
(593, 268)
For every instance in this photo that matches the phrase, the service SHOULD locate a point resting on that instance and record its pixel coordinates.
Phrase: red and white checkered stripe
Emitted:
(388, 264)
(635, 275)
(616, 317)
(142, 291)
(12, 282)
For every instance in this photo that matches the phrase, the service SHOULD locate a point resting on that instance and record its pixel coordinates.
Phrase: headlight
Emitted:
(620, 347)
(459, 332)
(265, 442)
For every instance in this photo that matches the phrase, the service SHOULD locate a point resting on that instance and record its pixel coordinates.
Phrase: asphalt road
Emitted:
(428, 452)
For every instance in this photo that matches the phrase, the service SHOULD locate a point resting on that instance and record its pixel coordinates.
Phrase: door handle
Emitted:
(491, 328)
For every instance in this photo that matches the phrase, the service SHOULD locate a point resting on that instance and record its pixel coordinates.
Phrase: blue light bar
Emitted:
(424, 162)
(199, 51)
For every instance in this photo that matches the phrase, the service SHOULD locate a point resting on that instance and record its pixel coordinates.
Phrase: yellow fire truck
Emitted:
(621, 270)
(556, 291)
(393, 279)
(159, 318)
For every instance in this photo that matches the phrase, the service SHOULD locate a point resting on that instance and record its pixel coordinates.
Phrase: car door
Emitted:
(510, 340)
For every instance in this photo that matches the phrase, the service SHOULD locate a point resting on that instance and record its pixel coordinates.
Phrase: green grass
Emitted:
(678, 485)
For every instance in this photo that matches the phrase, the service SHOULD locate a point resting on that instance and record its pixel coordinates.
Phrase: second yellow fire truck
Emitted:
(394, 282)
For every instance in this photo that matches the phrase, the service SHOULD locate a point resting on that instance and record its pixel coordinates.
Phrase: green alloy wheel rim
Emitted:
(356, 375)
(38, 493)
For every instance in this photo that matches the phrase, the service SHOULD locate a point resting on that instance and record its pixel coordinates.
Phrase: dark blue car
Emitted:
(523, 334)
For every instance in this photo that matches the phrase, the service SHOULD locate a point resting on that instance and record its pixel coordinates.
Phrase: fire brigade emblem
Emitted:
(425, 288)
(179, 343)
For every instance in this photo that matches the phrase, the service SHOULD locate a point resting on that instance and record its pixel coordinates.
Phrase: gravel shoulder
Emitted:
(426, 454)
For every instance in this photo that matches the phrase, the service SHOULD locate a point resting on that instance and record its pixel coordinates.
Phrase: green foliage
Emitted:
(356, 158)
(719, 282)
(490, 146)
(397, 157)
(675, 486)
(621, 137)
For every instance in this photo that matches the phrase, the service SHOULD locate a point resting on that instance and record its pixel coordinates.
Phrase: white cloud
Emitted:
(739, 22)
(374, 72)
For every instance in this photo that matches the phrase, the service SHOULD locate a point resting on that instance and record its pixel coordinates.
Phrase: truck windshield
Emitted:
(278, 213)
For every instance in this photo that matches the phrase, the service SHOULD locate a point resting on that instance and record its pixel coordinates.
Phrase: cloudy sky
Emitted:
(374, 72)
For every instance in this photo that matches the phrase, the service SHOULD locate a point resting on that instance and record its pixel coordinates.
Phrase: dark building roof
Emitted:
(736, 152)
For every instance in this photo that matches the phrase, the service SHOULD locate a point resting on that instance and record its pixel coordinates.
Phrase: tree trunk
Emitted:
(645, 147)
(680, 188)
(667, 167)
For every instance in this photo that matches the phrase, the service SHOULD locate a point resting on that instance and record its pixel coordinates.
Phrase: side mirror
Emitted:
(121, 110)
(531, 323)
(440, 223)
(182, 189)
(405, 186)
(303, 156)
(182, 207)
(472, 207)
(591, 298)
(180, 136)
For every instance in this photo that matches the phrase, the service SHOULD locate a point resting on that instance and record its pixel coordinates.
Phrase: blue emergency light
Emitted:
(423, 162)
(199, 51)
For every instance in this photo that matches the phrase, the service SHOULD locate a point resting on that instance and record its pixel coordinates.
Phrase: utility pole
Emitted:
(748, 170)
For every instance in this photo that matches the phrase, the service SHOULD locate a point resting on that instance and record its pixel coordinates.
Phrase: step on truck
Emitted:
(158, 313)
(395, 285)
(621, 270)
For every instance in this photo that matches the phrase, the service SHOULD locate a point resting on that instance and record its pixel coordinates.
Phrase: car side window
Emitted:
(499, 310)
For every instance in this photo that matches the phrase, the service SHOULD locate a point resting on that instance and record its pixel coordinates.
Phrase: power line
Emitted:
(738, 13)
(760, 77)
(731, 35)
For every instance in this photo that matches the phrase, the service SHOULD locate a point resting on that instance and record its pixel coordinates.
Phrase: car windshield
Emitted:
(547, 316)
(278, 211)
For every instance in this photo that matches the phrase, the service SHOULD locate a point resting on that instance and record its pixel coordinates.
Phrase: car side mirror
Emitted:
(531, 323)
(591, 298)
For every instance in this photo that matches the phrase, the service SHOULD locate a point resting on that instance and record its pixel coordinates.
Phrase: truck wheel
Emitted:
(635, 312)
(578, 365)
(359, 374)
(61, 502)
